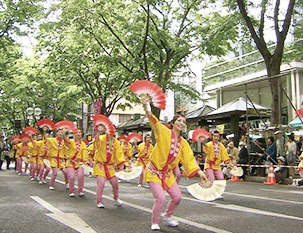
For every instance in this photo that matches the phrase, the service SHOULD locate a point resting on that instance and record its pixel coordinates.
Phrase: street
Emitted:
(26, 206)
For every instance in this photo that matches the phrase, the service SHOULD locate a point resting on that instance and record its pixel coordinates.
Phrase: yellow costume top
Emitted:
(127, 151)
(41, 151)
(211, 161)
(55, 152)
(162, 162)
(75, 153)
(300, 166)
(143, 154)
(33, 152)
(107, 156)
(21, 150)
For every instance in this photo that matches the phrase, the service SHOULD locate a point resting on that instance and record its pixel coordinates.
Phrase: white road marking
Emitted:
(284, 191)
(185, 221)
(258, 197)
(71, 220)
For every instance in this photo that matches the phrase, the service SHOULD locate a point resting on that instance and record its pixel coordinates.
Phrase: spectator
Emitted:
(280, 172)
(243, 154)
(5, 154)
(223, 140)
(271, 150)
(233, 152)
(291, 154)
(299, 146)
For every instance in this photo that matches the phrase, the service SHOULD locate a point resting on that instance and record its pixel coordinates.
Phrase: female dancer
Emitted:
(108, 155)
(21, 151)
(76, 155)
(55, 153)
(169, 150)
(144, 151)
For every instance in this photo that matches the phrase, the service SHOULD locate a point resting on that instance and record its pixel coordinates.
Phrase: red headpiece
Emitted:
(151, 89)
(15, 138)
(200, 133)
(30, 129)
(122, 138)
(66, 124)
(24, 136)
(101, 119)
(134, 137)
(46, 122)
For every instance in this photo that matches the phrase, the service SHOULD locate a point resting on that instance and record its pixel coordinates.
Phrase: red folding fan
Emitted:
(24, 137)
(300, 113)
(29, 130)
(85, 141)
(15, 138)
(66, 124)
(122, 138)
(101, 119)
(46, 122)
(134, 137)
(152, 89)
(200, 133)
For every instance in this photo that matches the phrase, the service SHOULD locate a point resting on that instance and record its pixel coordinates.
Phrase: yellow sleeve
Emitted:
(188, 160)
(84, 152)
(156, 126)
(118, 155)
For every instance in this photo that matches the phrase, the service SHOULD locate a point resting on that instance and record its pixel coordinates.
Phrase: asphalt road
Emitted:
(26, 206)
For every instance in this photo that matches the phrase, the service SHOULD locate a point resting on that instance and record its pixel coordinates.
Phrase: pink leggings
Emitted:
(211, 174)
(100, 186)
(71, 178)
(33, 168)
(141, 176)
(159, 195)
(41, 171)
(19, 165)
(177, 173)
(54, 175)
(301, 173)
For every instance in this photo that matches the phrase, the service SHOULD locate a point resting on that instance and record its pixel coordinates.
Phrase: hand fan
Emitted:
(15, 139)
(151, 89)
(200, 133)
(134, 137)
(46, 122)
(204, 193)
(47, 162)
(129, 174)
(29, 130)
(101, 119)
(236, 171)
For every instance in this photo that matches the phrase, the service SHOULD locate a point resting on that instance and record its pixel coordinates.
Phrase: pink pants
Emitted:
(41, 171)
(19, 165)
(141, 176)
(100, 186)
(54, 175)
(177, 173)
(301, 173)
(211, 174)
(71, 178)
(33, 168)
(159, 195)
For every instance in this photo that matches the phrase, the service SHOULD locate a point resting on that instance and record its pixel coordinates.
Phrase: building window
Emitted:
(124, 117)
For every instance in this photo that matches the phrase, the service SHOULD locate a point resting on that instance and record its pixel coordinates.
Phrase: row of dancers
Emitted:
(106, 155)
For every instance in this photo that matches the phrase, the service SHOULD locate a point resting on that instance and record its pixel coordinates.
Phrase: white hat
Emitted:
(281, 158)
(242, 143)
(277, 132)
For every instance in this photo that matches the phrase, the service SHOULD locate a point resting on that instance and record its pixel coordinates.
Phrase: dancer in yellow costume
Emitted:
(144, 151)
(169, 150)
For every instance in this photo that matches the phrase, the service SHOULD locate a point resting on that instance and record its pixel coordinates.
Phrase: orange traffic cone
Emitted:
(235, 179)
(271, 178)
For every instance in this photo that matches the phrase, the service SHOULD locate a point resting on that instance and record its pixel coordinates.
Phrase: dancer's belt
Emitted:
(160, 173)
(105, 169)
(211, 163)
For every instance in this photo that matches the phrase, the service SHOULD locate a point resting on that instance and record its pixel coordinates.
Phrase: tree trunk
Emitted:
(273, 69)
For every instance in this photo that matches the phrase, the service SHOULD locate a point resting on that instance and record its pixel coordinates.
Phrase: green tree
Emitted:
(118, 42)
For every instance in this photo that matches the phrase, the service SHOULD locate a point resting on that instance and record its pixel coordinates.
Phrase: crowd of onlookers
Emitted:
(279, 149)
(6, 152)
